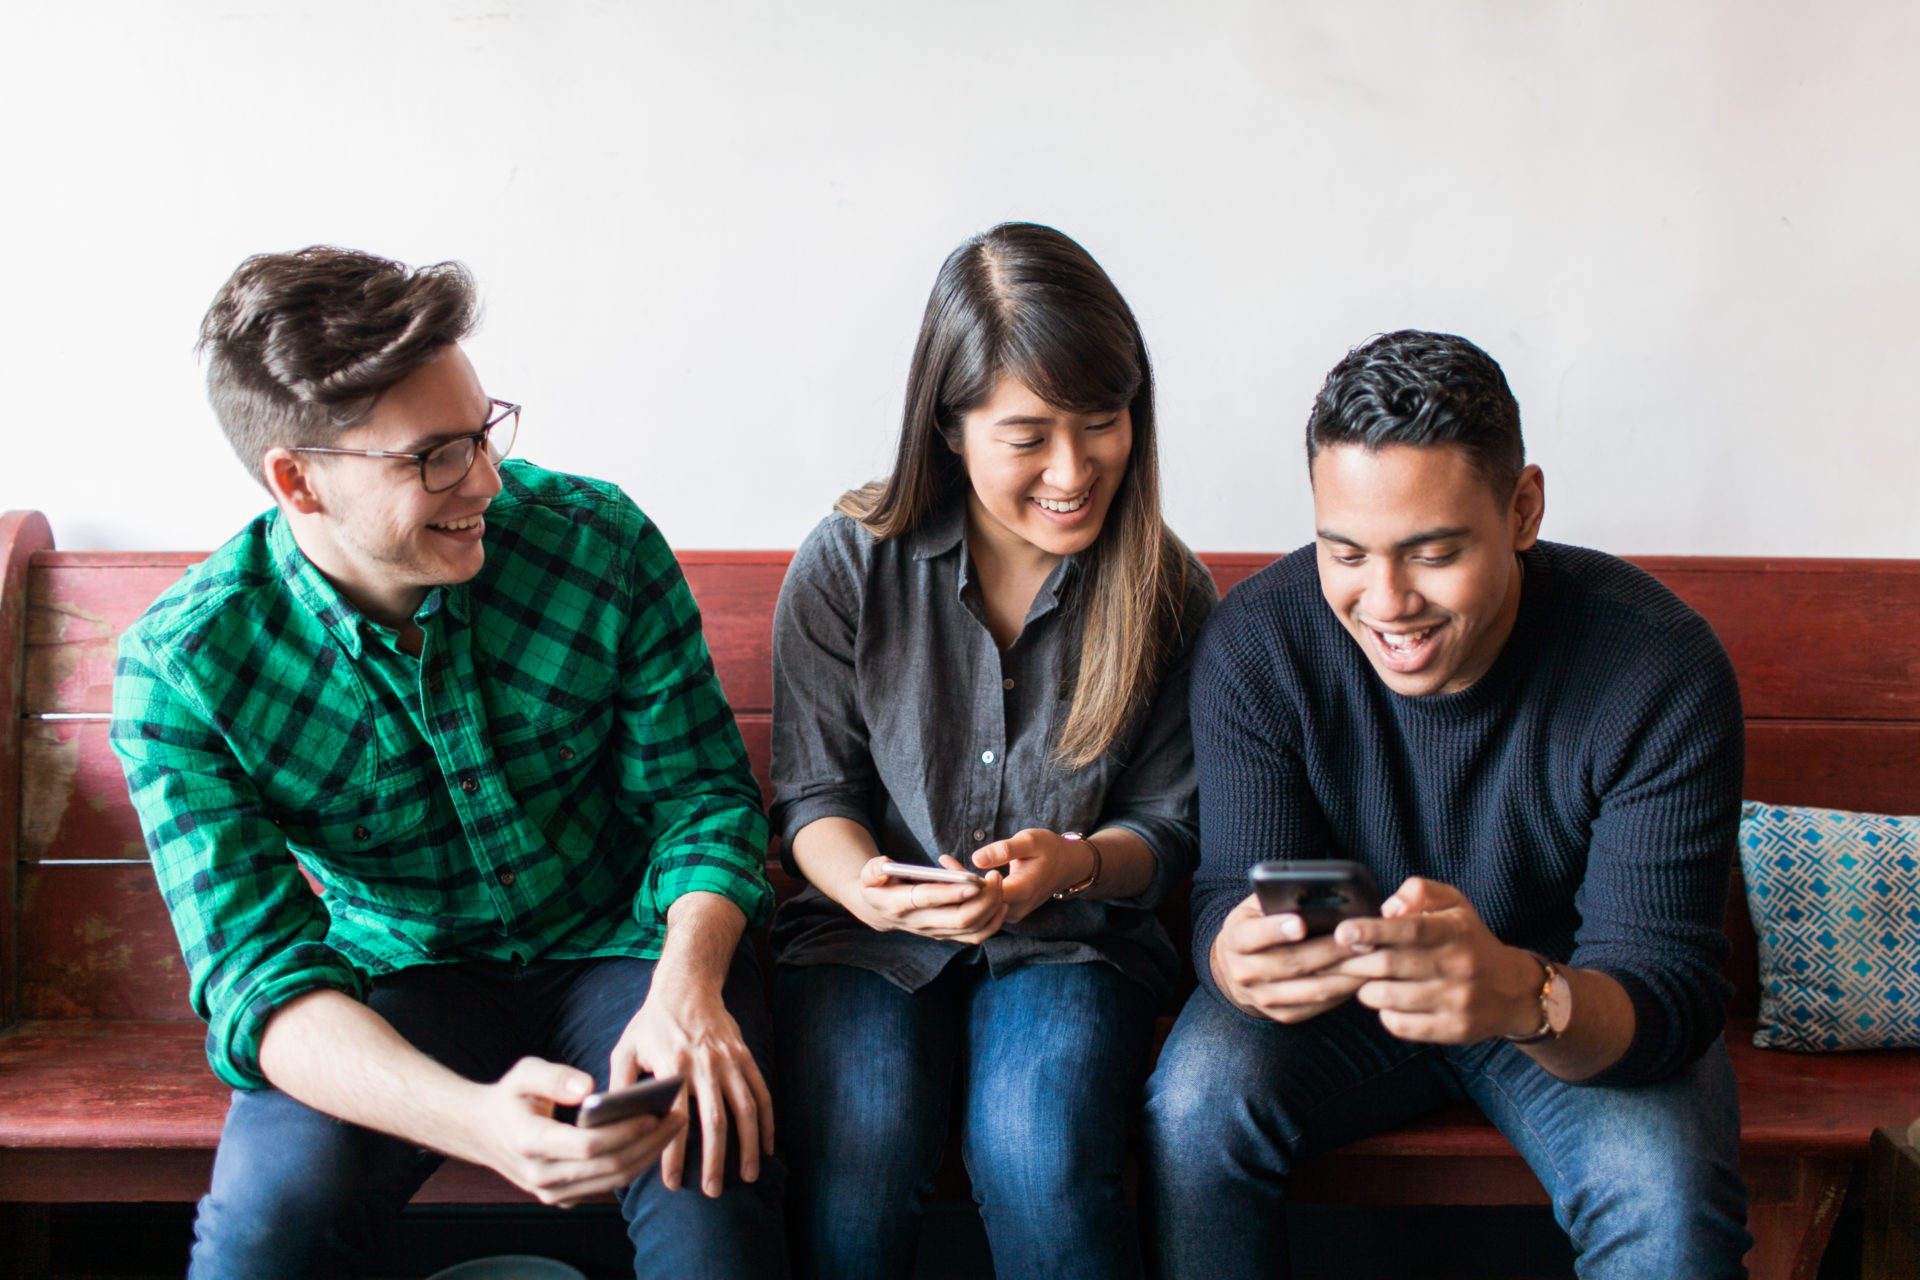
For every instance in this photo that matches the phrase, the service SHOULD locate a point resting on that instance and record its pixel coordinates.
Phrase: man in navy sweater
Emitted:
(1537, 751)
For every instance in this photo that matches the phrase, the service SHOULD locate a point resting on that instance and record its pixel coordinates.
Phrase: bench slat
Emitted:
(75, 1087)
(1864, 765)
(76, 796)
(96, 942)
(1811, 639)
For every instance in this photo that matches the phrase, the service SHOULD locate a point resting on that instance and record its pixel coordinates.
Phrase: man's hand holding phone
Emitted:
(518, 1136)
(1435, 971)
(1269, 967)
(898, 896)
(1276, 955)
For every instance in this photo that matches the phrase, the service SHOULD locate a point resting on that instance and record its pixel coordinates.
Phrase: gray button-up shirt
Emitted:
(894, 707)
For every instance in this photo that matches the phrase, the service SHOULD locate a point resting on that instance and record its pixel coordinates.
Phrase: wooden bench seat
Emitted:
(104, 1090)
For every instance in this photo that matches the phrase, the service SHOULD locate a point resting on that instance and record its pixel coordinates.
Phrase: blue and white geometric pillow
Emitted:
(1835, 899)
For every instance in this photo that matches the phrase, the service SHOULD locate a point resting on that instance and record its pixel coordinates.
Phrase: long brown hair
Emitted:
(1027, 302)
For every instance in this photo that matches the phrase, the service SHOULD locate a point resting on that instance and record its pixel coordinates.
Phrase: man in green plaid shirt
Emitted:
(470, 700)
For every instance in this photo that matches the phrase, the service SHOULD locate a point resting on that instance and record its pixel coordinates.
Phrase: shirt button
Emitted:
(986, 757)
(1007, 683)
(361, 833)
(566, 753)
(506, 879)
(979, 833)
(433, 682)
(469, 784)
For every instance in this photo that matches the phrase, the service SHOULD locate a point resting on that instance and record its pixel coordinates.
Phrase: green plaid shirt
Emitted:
(541, 783)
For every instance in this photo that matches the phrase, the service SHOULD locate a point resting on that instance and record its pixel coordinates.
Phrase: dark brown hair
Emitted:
(1025, 301)
(299, 345)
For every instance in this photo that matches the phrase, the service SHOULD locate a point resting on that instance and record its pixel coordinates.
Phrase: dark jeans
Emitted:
(1644, 1179)
(1050, 1060)
(299, 1194)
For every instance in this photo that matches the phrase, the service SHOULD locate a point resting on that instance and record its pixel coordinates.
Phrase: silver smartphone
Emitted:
(936, 875)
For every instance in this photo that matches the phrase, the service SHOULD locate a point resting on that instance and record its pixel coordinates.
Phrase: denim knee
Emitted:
(1645, 1178)
(1200, 1106)
(296, 1193)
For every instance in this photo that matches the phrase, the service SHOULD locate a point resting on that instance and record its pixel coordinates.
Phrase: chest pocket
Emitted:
(343, 830)
(536, 675)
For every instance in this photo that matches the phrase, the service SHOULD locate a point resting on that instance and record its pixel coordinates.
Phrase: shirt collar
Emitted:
(311, 588)
(942, 531)
(947, 529)
(331, 609)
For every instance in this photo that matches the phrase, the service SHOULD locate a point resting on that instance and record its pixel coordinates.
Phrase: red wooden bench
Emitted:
(105, 1096)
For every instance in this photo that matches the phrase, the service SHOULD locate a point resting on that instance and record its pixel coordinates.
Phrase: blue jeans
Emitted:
(299, 1194)
(1644, 1179)
(1047, 1062)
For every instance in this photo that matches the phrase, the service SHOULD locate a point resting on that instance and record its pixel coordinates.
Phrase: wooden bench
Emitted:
(105, 1094)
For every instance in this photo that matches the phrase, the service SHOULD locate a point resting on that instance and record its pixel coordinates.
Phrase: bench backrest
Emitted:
(1830, 678)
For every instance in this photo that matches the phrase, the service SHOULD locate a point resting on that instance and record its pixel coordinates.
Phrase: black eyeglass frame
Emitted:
(478, 439)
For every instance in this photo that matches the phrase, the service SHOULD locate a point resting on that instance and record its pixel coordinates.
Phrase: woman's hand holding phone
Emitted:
(1037, 863)
(970, 912)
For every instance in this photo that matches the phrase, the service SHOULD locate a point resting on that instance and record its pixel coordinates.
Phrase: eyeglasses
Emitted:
(446, 465)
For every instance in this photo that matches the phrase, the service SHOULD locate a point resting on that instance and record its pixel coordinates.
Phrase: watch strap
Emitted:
(1093, 878)
(1550, 973)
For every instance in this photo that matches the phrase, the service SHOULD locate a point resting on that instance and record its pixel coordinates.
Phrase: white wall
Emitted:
(705, 233)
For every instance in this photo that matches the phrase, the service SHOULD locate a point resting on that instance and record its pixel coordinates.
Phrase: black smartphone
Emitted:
(647, 1098)
(1321, 893)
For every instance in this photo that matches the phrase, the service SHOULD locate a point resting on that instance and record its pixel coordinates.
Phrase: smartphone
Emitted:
(647, 1098)
(939, 875)
(1321, 893)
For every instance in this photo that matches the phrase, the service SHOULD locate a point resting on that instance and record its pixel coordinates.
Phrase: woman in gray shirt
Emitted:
(980, 664)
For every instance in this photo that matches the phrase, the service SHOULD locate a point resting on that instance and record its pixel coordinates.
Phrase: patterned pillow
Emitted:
(1836, 901)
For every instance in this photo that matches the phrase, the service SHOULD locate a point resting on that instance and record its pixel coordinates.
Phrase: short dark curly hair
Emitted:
(1422, 389)
(299, 345)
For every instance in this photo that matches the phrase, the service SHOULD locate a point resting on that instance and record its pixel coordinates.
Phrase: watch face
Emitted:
(1559, 1000)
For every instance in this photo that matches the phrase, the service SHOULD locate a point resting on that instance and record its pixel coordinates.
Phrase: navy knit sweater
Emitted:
(1584, 794)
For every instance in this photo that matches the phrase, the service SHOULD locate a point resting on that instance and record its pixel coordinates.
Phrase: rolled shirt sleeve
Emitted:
(251, 931)
(683, 769)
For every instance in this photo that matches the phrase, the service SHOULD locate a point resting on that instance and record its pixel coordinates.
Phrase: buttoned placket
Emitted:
(996, 685)
(988, 749)
(452, 720)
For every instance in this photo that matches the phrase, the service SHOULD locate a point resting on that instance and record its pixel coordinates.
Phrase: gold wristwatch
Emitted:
(1093, 878)
(1556, 1004)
